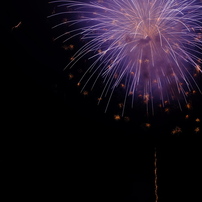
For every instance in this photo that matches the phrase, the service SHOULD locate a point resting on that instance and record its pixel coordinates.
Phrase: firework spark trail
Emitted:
(156, 178)
(151, 47)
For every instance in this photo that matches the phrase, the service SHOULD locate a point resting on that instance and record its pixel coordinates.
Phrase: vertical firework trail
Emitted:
(150, 48)
(155, 176)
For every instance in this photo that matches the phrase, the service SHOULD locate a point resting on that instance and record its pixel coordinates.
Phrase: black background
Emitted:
(60, 145)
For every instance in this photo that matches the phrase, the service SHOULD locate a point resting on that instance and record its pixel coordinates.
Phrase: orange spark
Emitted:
(176, 130)
(117, 117)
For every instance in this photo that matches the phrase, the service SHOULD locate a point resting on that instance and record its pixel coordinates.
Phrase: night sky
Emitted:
(59, 144)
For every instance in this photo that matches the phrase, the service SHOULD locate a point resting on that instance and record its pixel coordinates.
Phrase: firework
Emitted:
(150, 48)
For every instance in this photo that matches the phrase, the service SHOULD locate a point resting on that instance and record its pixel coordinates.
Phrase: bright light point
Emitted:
(117, 117)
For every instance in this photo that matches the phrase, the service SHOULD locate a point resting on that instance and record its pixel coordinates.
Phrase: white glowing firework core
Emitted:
(152, 47)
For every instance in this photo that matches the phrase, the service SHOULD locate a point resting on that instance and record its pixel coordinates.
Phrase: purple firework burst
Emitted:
(152, 48)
